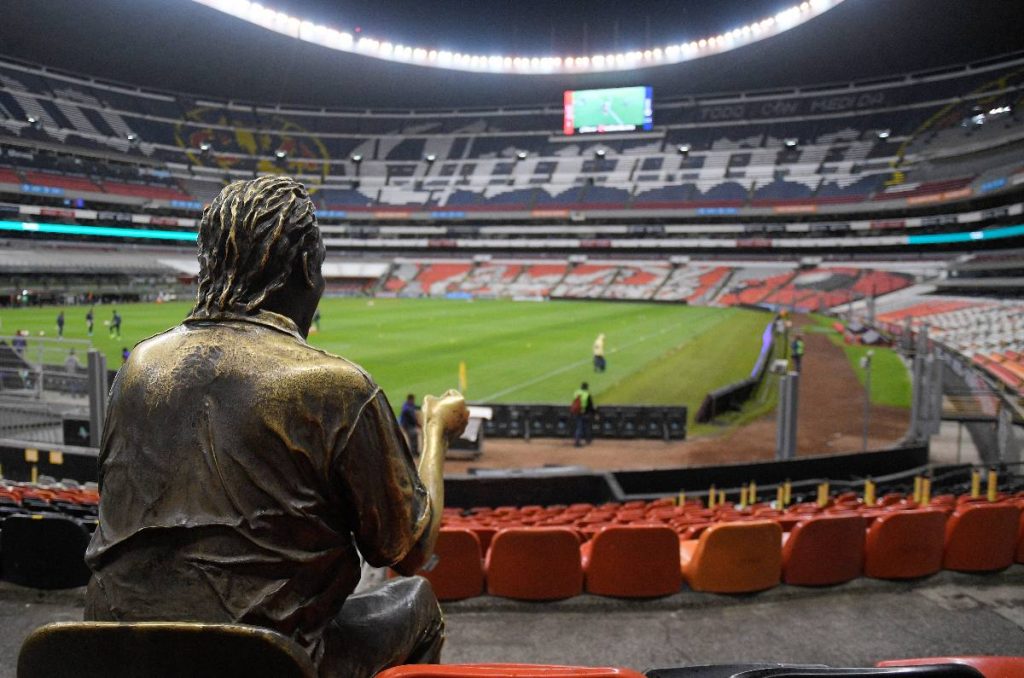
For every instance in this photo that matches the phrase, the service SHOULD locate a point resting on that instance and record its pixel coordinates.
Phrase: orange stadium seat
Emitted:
(632, 562)
(905, 544)
(505, 671)
(540, 563)
(459, 571)
(734, 557)
(824, 550)
(989, 667)
(981, 537)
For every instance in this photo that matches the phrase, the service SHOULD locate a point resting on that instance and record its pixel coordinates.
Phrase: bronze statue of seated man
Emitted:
(240, 468)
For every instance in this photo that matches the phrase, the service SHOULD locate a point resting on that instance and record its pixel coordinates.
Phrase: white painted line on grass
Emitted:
(572, 366)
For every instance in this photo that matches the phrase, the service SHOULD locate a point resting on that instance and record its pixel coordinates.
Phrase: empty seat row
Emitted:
(646, 560)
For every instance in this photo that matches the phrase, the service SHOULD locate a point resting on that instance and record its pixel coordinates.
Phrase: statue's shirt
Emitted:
(238, 466)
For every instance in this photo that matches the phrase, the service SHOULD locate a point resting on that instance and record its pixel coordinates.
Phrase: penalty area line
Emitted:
(572, 366)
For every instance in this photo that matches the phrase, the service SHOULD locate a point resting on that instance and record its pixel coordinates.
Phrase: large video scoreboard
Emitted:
(621, 109)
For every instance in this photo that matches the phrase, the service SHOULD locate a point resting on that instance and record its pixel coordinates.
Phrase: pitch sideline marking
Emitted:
(572, 366)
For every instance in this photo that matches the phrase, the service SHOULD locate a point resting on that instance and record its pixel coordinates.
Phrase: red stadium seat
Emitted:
(459, 571)
(905, 544)
(824, 550)
(541, 563)
(990, 667)
(505, 671)
(632, 562)
(734, 557)
(981, 537)
(1020, 541)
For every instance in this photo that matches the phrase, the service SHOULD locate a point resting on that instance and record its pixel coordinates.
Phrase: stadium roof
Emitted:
(187, 47)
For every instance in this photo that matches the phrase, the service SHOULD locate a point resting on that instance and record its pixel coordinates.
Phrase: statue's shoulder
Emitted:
(345, 372)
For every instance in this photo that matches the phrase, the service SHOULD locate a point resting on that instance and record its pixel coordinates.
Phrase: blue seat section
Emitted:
(861, 187)
(606, 194)
(780, 189)
(673, 193)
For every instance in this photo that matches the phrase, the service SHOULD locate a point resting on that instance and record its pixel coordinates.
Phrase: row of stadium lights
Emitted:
(600, 153)
(682, 149)
(382, 49)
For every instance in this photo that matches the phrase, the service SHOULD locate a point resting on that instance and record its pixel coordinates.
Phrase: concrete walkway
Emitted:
(855, 624)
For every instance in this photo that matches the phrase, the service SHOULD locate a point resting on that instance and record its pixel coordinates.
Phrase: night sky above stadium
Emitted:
(181, 46)
(536, 26)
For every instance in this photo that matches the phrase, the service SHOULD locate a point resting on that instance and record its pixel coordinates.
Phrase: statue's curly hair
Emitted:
(251, 237)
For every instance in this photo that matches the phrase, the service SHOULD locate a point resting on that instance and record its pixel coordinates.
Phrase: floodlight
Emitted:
(430, 157)
(205, 147)
(521, 155)
(132, 137)
(357, 158)
(281, 154)
(344, 40)
(884, 134)
(33, 120)
(792, 143)
(683, 149)
(600, 153)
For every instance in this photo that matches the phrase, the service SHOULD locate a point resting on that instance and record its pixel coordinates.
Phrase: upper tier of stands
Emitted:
(792, 150)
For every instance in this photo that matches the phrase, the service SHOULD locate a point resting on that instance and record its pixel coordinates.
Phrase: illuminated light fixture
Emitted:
(430, 157)
(683, 149)
(32, 120)
(132, 137)
(521, 155)
(281, 154)
(389, 50)
(205, 147)
(792, 143)
(357, 158)
(999, 110)
(884, 134)
(599, 153)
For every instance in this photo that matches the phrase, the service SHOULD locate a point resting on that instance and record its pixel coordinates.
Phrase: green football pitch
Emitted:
(513, 351)
(595, 111)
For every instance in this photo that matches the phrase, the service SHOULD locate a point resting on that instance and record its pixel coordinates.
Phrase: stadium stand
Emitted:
(187, 150)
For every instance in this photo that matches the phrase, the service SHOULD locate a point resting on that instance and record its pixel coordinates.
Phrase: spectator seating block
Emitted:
(540, 563)
(823, 550)
(905, 544)
(736, 557)
(981, 537)
(632, 562)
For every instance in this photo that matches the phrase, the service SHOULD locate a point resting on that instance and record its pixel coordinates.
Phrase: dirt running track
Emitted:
(831, 407)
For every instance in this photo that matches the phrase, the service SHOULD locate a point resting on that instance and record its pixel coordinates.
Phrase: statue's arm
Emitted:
(444, 420)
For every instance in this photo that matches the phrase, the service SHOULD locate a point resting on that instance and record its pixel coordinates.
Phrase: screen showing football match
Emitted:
(621, 109)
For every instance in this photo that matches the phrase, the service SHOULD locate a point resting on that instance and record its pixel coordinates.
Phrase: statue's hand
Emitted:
(449, 411)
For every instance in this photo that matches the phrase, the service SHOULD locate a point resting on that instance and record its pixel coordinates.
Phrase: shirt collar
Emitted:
(269, 319)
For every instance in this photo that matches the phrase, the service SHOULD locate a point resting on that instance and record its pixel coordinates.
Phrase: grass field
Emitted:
(890, 381)
(514, 351)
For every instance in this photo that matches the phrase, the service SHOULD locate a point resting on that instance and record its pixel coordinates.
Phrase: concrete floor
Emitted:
(855, 624)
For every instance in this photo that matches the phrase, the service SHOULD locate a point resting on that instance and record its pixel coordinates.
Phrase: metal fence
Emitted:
(44, 382)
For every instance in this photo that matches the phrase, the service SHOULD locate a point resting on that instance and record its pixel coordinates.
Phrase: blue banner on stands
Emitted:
(448, 215)
(331, 214)
(43, 190)
(717, 211)
(967, 236)
(99, 231)
(992, 185)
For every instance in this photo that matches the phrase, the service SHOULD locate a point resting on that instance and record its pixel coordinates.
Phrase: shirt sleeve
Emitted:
(389, 506)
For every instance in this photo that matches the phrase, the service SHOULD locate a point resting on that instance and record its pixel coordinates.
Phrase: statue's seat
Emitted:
(160, 650)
